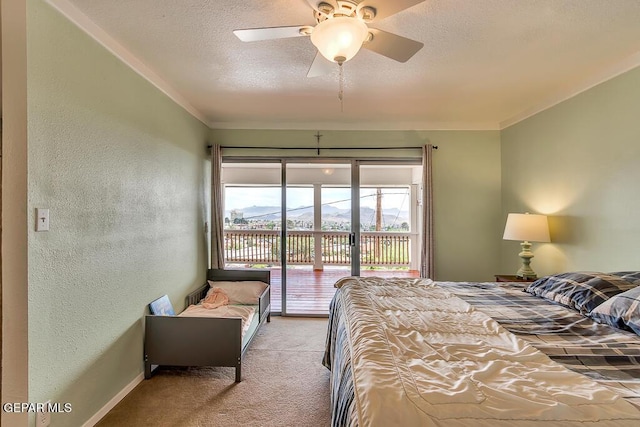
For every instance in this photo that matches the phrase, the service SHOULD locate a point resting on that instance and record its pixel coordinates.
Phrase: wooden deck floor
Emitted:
(309, 292)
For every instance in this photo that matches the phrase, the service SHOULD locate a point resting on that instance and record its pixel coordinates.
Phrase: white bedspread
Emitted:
(424, 357)
(246, 312)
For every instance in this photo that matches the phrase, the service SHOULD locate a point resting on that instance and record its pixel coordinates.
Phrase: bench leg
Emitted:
(148, 370)
(238, 373)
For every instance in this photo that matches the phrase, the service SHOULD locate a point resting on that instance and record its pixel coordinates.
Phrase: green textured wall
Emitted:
(579, 162)
(466, 173)
(15, 366)
(122, 169)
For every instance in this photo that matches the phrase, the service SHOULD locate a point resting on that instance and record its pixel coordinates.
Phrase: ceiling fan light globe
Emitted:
(340, 38)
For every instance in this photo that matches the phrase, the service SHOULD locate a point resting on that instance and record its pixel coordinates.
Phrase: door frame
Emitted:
(355, 217)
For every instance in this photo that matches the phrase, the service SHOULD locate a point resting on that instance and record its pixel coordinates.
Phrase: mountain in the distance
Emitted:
(329, 214)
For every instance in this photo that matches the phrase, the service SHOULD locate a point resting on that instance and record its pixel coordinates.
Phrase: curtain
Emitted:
(427, 263)
(217, 216)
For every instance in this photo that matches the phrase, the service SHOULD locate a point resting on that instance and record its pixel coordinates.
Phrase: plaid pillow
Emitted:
(629, 276)
(621, 311)
(582, 291)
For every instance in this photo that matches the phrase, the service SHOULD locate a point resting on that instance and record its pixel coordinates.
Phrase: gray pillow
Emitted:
(621, 311)
(582, 291)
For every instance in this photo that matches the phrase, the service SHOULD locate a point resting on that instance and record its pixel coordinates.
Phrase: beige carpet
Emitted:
(283, 384)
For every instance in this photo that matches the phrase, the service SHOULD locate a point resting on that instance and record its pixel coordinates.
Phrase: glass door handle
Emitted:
(352, 239)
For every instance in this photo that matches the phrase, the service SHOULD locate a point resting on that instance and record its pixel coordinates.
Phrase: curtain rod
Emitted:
(435, 147)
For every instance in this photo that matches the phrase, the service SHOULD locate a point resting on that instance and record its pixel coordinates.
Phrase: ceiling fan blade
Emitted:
(320, 66)
(392, 45)
(270, 33)
(386, 8)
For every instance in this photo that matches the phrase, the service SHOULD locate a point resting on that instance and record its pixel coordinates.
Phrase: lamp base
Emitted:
(525, 271)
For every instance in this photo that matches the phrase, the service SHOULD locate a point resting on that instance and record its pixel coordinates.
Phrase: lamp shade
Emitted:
(339, 39)
(527, 227)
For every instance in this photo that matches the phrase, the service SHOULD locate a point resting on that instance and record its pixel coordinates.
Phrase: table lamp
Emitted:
(526, 228)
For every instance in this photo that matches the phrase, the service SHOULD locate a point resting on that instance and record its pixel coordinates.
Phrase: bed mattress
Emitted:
(410, 350)
(608, 355)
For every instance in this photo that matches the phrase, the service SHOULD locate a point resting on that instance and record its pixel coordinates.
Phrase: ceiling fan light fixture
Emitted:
(339, 38)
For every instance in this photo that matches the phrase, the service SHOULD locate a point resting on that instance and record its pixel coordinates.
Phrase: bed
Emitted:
(195, 338)
(417, 352)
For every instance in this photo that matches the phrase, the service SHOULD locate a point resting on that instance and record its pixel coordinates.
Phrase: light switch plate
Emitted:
(42, 219)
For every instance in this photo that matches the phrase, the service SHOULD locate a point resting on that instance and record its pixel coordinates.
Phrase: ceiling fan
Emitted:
(342, 30)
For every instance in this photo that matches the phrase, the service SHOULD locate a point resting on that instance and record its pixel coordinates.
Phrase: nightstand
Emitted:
(511, 278)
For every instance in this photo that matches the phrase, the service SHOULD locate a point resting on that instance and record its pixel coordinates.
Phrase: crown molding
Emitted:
(82, 21)
(608, 73)
(360, 126)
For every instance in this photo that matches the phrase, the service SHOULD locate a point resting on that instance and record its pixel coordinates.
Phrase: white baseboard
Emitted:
(113, 402)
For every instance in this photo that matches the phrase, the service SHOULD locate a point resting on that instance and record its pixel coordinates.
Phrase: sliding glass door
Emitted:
(318, 227)
(389, 219)
(329, 220)
(253, 220)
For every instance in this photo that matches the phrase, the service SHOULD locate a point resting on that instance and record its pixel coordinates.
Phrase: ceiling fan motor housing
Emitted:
(325, 11)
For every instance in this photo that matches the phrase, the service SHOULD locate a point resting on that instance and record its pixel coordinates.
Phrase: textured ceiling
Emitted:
(485, 63)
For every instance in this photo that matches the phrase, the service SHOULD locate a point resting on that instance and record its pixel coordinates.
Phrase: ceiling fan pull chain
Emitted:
(341, 91)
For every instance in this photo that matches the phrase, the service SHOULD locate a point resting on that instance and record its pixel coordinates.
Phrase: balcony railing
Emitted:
(391, 249)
